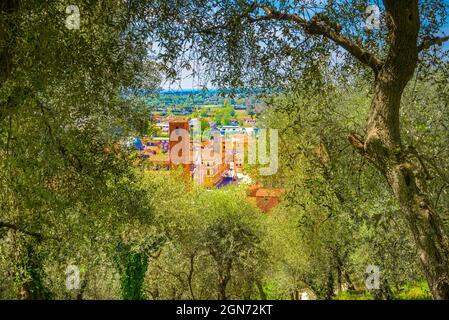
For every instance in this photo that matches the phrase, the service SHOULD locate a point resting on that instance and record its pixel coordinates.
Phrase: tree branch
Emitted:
(72, 158)
(15, 227)
(427, 44)
(357, 143)
(316, 26)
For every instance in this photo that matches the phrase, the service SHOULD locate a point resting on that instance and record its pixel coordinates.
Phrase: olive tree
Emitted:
(67, 103)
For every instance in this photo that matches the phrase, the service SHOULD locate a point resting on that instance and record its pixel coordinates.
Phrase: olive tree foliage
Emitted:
(426, 131)
(214, 243)
(337, 216)
(268, 44)
(242, 43)
(67, 103)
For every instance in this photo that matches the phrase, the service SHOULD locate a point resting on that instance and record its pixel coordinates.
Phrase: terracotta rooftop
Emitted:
(264, 192)
(253, 189)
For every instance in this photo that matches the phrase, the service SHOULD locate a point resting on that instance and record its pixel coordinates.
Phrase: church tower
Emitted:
(179, 144)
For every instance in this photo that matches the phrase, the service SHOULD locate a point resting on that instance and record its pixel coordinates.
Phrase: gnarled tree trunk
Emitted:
(384, 149)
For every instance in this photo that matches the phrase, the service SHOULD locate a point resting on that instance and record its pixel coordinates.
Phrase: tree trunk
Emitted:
(339, 279)
(222, 290)
(348, 281)
(384, 149)
(262, 294)
(224, 276)
(190, 275)
(407, 181)
(330, 285)
(82, 290)
(427, 228)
